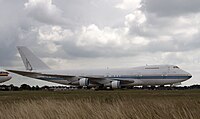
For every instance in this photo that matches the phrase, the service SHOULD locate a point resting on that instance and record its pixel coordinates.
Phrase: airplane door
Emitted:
(165, 73)
(139, 75)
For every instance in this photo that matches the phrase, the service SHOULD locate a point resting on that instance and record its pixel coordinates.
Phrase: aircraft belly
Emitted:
(159, 81)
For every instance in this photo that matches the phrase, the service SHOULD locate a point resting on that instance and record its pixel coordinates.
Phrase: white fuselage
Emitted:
(147, 75)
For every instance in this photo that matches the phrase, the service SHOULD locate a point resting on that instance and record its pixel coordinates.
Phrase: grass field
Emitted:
(85, 104)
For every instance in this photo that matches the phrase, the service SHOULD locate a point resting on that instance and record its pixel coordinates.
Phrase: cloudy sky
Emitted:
(71, 34)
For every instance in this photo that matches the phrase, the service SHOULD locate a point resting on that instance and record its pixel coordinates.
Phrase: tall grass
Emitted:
(121, 106)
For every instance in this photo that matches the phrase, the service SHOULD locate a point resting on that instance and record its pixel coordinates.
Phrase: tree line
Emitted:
(53, 88)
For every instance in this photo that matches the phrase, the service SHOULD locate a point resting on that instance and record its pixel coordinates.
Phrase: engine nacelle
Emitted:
(115, 84)
(84, 82)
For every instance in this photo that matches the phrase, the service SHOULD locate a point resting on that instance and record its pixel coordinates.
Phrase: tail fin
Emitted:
(31, 62)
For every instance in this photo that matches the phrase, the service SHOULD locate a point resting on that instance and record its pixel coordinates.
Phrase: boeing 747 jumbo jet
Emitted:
(4, 76)
(114, 78)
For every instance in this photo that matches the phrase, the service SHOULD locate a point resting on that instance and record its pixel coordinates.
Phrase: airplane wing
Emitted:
(37, 74)
(23, 73)
(93, 79)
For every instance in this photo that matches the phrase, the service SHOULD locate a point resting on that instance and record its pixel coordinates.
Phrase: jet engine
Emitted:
(84, 82)
(115, 84)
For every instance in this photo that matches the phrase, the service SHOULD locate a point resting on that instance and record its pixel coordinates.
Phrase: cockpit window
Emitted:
(176, 67)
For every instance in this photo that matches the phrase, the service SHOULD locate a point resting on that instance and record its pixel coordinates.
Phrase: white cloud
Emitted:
(138, 40)
(44, 11)
(54, 33)
(186, 26)
(129, 4)
(135, 18)
(93, 36)
(48, 35)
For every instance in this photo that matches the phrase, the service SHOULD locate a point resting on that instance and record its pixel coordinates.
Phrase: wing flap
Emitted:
(23, 73)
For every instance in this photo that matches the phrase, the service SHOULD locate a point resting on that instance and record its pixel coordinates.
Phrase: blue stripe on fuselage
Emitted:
(128, 77)
(151, 77)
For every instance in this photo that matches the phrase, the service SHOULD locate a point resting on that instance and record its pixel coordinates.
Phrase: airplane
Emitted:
(4, 76)
(150, 75)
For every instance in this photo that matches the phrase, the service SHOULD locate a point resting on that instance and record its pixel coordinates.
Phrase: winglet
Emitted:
(31, 62)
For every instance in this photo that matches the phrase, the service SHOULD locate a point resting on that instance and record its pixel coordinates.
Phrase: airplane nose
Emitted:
(189, 76)
(9, 77)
